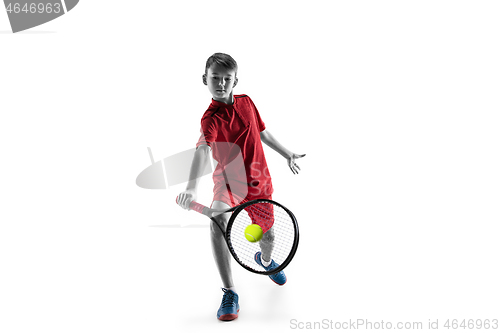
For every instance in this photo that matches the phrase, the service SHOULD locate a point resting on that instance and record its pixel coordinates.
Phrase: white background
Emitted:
(395, 104)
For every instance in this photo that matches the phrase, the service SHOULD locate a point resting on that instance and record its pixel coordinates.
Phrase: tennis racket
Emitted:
(272, 217)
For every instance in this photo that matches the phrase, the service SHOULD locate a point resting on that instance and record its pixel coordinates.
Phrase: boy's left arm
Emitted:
(270, 140)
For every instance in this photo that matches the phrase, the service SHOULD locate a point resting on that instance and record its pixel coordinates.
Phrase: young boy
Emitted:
(233, 131)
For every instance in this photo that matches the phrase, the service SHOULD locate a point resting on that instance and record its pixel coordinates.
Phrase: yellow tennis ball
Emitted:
(253, 233)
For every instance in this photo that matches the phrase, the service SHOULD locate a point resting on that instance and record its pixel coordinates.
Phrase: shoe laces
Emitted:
(274, 265)
(228, 298)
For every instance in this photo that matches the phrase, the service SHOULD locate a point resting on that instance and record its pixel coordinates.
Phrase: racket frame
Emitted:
(212, 213)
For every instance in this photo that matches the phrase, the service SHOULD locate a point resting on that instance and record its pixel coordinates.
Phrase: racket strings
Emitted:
(272, 219)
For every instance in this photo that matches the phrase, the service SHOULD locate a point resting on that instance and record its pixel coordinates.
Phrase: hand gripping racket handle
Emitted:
(197, 207)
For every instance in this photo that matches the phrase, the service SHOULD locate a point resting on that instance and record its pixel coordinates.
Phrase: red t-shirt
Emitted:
(233, 133)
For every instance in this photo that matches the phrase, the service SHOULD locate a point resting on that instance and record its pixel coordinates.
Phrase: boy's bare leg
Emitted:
(267, 244)
(219, 247)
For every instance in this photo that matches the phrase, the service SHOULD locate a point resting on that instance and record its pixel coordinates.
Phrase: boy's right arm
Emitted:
(200, 160)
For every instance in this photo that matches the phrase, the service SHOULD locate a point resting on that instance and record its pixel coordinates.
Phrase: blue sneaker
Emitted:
(278, 278)
(229, 308)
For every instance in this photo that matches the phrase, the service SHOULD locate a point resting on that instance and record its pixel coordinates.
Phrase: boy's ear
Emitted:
(205, 79)
(235, 82)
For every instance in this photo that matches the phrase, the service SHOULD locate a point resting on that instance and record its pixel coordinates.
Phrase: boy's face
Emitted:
(220, 82)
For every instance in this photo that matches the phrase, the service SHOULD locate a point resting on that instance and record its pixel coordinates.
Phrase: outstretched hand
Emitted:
(291, 162)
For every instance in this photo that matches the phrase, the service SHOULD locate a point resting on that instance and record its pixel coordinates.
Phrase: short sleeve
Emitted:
(258, 119)
(208, 132)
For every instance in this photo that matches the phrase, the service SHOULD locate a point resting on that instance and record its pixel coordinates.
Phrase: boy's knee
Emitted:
(214, 226)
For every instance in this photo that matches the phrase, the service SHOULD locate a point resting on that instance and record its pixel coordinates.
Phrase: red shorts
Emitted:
(261, 213)
(231, 199)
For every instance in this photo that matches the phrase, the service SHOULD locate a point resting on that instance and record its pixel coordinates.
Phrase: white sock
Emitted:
(233, 289)
(265, 263)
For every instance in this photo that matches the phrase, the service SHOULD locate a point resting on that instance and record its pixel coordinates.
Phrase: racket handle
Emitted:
(195, 206)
